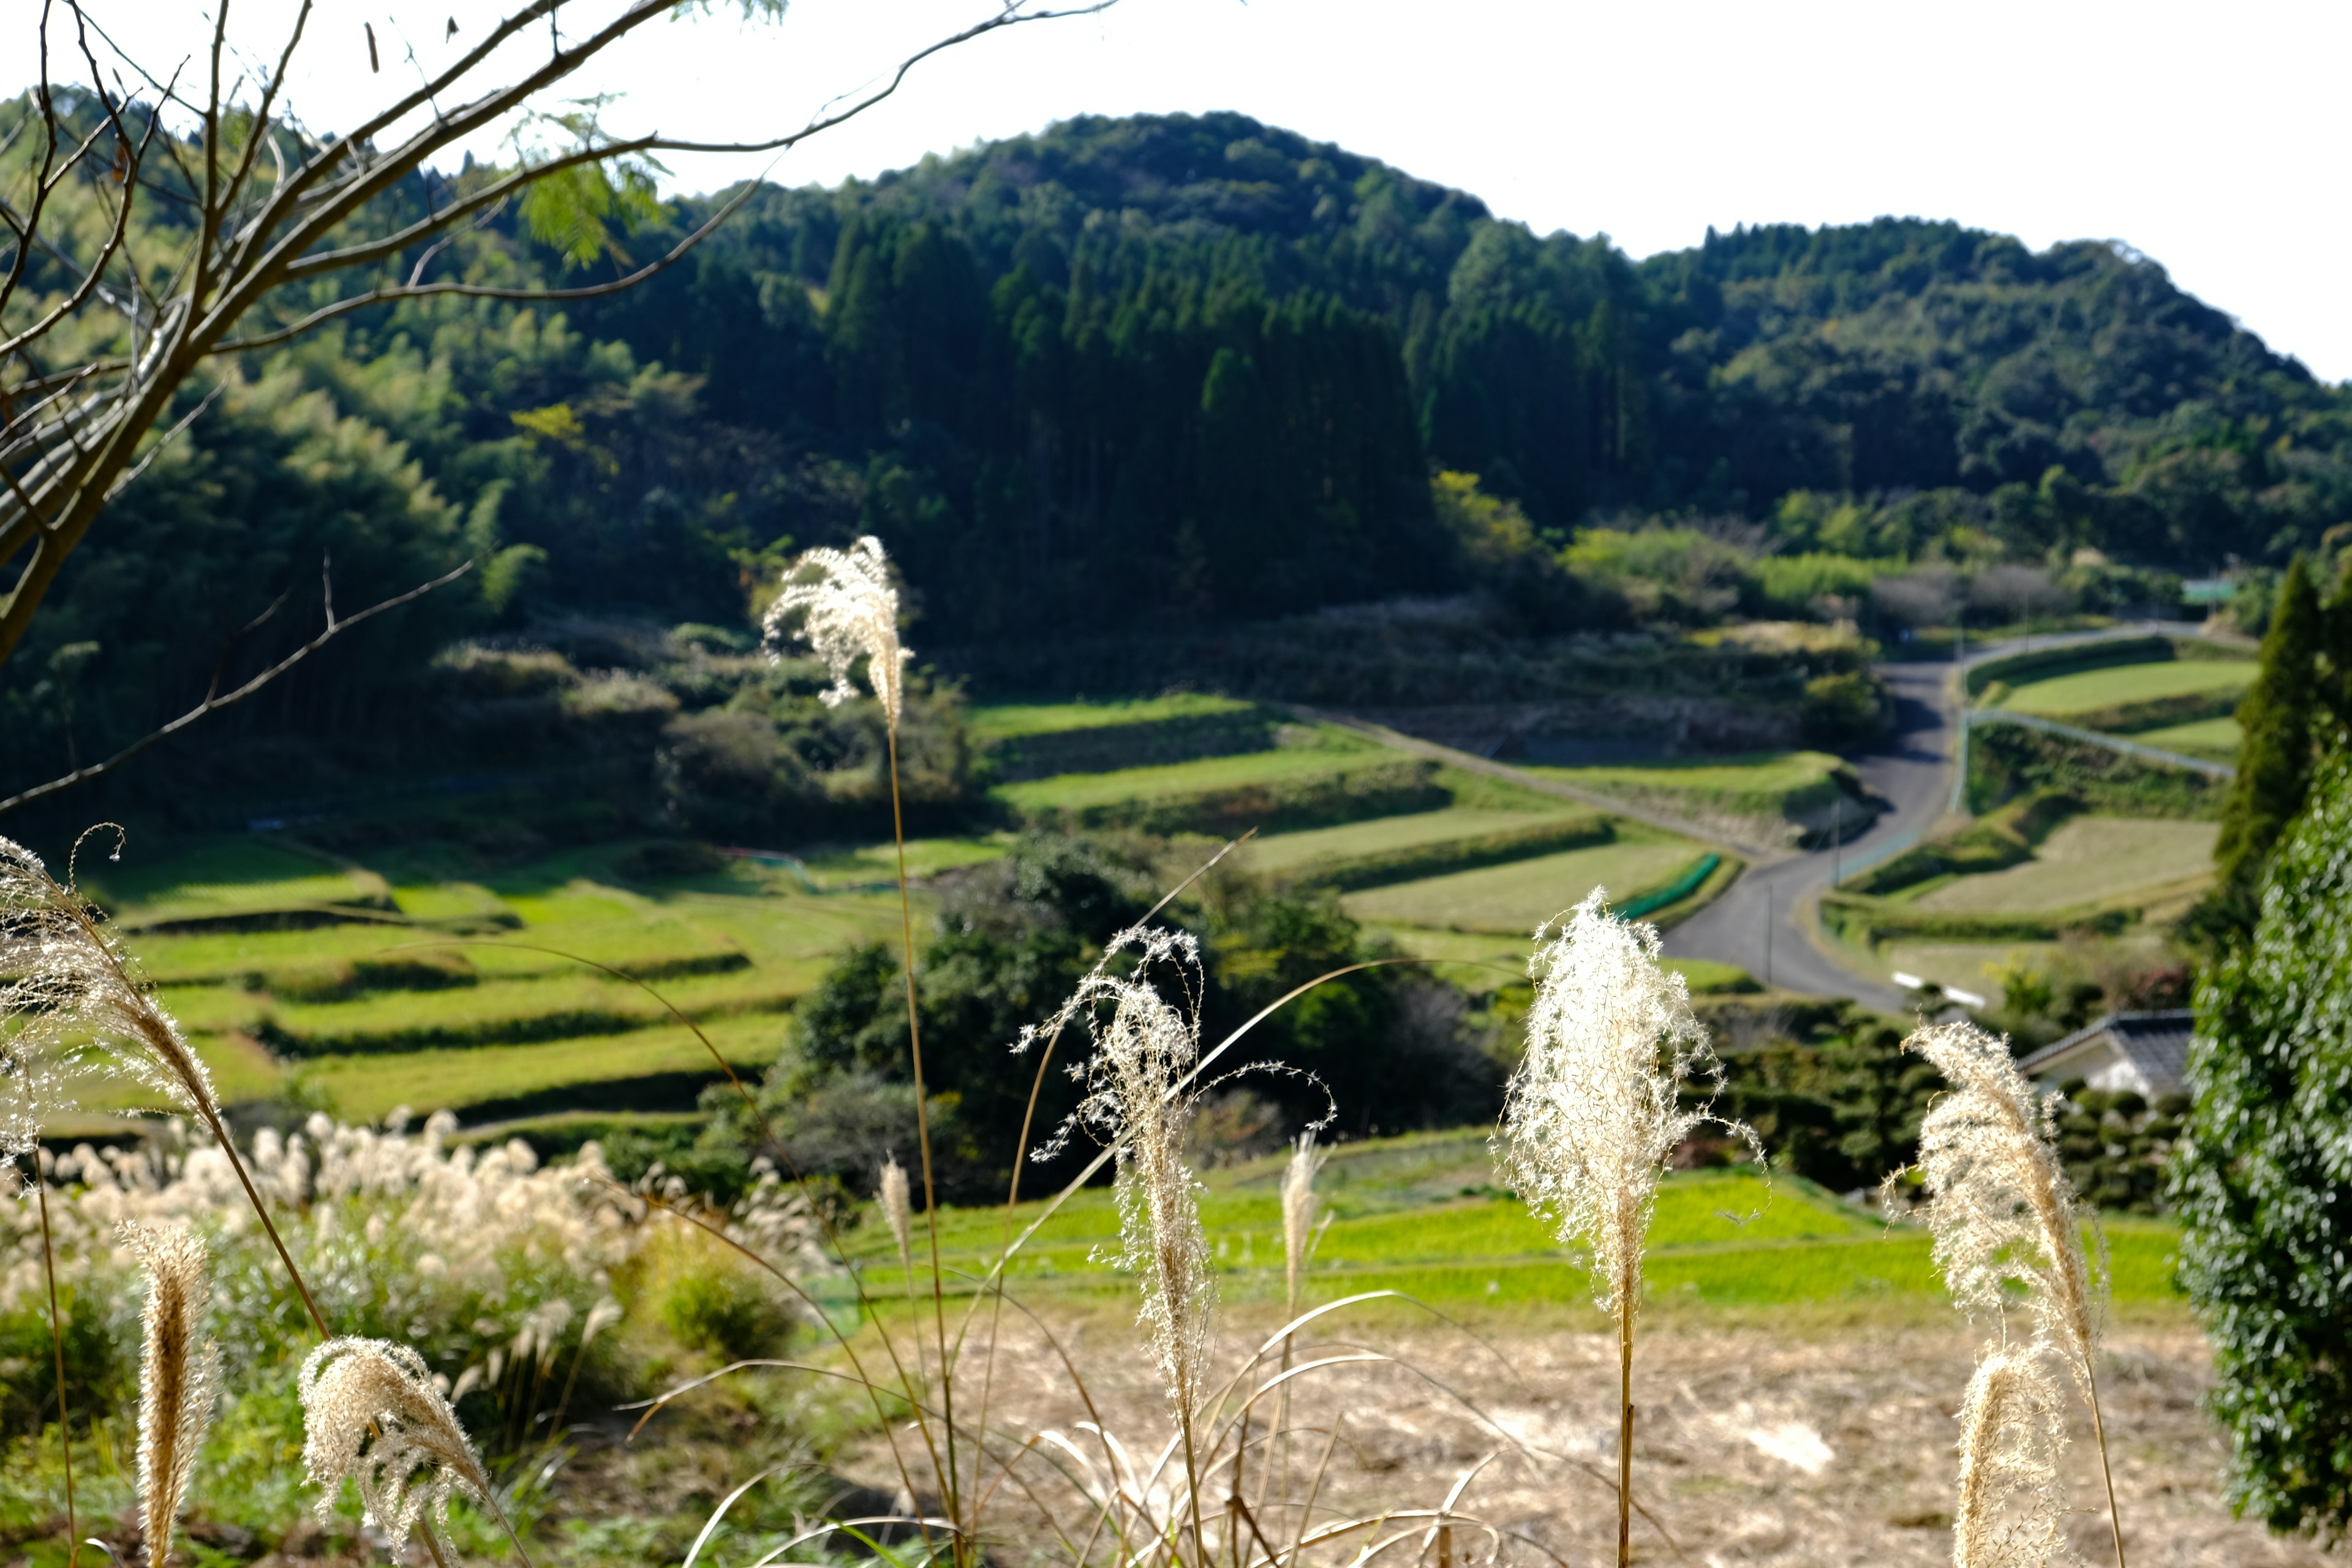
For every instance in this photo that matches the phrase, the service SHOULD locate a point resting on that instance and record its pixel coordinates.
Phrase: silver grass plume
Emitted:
(372, 1416)
(2011, 1434)
(849, 608)
(178, 1375)
(1593, 1109)
(71, 1004)
(1998, 1202)
(1306, 1158)
(897, 1210)
(1137, 1099)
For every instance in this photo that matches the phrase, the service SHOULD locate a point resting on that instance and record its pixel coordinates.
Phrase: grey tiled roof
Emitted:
(2155, 1043)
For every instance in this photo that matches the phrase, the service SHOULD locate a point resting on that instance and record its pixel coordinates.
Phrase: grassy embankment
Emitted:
(1420, 1215)
(2073, 861)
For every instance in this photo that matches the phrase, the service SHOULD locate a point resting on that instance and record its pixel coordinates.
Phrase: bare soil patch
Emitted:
(1755, 1444)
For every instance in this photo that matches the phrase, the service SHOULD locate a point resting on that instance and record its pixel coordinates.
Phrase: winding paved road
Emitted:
(1766, 924)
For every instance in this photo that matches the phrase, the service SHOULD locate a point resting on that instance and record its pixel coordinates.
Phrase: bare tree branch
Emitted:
(214, 701)
(87, 430)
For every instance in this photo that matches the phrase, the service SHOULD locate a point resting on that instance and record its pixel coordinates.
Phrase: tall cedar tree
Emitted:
(2264, 1179)
(2278, 718)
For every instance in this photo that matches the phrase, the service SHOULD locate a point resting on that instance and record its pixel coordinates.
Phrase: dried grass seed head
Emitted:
(898, 1206)
(1138, 1099)
(72, 1007)
(2013, 1432)
(372, 1415)
(1999, 1202)
(847, 609)
(1594, 1109)
(1306, 1158)
(179, 1373)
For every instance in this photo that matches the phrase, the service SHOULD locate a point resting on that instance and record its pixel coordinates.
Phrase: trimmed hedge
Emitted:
(1323, 800)
(1412, 862)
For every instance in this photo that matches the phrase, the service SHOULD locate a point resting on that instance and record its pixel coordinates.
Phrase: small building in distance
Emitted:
(2143, 1052)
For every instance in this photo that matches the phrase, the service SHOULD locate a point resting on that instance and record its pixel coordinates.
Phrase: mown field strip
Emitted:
(2088, 860)
(1519, 897)
(1720, 1238)
(1289, 851)
(367, 1088)
(1009, 721)
(2216, 738)
(1072, 791)
(1765, 780)
(2089, 690)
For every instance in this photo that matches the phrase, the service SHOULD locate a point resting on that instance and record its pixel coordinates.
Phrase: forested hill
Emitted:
(1201, 362)
(1167, 372)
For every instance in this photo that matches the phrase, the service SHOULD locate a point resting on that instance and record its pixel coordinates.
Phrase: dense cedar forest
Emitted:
(1156, 374)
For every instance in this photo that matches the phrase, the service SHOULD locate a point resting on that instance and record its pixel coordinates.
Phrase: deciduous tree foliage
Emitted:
(2264, 1179)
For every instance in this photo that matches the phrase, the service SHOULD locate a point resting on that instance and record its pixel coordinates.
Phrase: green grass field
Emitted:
(2087, 860)
(1336, 753)
(222, 881)
(1757, 780)
(1290, 851)
(504, 1016)
(2218, 739)
(1011, 720)
(1421, 1215)
(2089, 690)
(1516, 898)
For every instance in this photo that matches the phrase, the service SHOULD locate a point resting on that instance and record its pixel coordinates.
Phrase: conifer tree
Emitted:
(2278, 717)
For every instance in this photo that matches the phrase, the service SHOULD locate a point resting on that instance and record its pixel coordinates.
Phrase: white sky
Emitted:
(2210, 136)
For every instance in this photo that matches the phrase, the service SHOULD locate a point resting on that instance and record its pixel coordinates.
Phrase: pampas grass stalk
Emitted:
(1593, 1112)
(891, 1190)
(372, 1416)
(1299, 1214)
(77, 1005)
(1137, 1101)
(846, 608)
(2001, 1209)
(2010, 1437)
(178, 1375)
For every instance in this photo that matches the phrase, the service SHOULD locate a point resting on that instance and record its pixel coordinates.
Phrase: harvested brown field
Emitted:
(1804, 1443)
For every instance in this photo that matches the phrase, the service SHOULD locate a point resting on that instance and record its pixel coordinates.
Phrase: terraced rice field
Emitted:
(2218, 739)
(461, 995)
(403, 982)
(2087, 860)
(1761, 776)
(1009, 721)
(1516, 898)
(1290, 851)
(2090, 690)
(1066, 792)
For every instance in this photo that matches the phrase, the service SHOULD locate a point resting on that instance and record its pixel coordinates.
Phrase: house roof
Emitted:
(2156, 1042)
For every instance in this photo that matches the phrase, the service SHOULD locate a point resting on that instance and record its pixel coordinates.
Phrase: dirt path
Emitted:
(1752, 1446)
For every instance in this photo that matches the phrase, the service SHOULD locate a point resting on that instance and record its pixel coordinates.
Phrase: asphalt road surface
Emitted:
(1765, 921)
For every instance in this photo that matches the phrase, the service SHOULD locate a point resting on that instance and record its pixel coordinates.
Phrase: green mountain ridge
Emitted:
(1164, 375)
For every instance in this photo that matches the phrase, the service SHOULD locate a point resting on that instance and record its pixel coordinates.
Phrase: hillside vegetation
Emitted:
(1142, 401)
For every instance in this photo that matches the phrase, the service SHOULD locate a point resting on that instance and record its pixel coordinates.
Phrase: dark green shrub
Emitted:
(2263, 1179)
(1846, 710)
